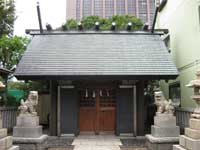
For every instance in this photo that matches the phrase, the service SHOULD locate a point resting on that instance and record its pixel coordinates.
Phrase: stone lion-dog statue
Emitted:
(163, 105)
(28, 107)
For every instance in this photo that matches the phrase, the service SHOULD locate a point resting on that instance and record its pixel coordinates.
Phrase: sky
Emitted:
(52, 12)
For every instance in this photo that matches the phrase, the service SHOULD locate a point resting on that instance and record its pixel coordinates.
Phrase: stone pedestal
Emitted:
(6, 142)
(191, 139)
(28, 133)
(164, 133)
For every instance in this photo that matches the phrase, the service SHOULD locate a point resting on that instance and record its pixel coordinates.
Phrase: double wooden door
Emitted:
(97, 110)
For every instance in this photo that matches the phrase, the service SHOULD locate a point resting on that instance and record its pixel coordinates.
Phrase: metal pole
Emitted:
(39, 17)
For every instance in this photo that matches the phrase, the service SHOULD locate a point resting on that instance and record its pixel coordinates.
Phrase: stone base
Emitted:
(189, 143)
(27, 121)
(29, 132)
(165, 120)
(3, 133)
(157, 131)
(6, 143)
(31, 143)
(161, 143)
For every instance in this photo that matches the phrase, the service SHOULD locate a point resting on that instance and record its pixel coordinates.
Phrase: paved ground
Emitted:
(133, 148)
(61, 148)
(97, 142)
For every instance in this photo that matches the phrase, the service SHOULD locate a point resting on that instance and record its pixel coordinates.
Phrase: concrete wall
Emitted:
(182, 19)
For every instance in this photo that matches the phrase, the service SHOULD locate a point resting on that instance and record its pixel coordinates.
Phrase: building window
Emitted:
(131, 7)
(87, 4)
(175, 93)
(98, 8)
(120, 7)
(78, 10)
(109, 7)
(142, 4)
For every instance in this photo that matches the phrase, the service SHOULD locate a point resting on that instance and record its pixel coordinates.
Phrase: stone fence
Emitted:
(182, 116)
(9, 115)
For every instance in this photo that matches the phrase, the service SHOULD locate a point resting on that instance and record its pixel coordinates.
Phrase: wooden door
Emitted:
(107, 110)
(87, 114)
(97, 110)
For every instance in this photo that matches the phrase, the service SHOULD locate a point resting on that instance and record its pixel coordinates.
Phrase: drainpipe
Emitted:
(39, 17)
(155, 16)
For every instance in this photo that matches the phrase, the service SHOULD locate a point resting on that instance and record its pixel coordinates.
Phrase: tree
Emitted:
(7, 17)
(11, 50)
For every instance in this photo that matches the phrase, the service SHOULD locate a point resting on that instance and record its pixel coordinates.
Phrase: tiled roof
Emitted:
(96, 54)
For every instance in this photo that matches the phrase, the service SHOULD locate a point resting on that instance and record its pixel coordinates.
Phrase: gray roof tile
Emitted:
(96, 54)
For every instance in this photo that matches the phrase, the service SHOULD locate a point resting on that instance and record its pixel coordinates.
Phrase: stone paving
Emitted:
(97, 142)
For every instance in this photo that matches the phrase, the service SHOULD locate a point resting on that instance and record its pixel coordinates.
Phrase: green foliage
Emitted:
(41, 86)
(11, 101)
(11, 50)
(105, 24)
(71, 24)
(89, 22)
(7, 17)
(122, 21)
(17, 86)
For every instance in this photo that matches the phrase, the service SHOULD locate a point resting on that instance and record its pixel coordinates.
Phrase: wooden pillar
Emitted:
(140, 107)
(97, 111)
(53, 112)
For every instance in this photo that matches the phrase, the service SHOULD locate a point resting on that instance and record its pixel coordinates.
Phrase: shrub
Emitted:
(105, 23)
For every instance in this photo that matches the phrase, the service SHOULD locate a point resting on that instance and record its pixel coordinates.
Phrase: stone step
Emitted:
(133, 148)
(137, 141)
(14, 148)
(54, 141)
(165, 131)
(6, 142)
(189, 143)
(61, 148)
(178, 147)
(3, 133)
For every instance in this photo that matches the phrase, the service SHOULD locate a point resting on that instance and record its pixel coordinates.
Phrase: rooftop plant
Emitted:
(105, 23)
